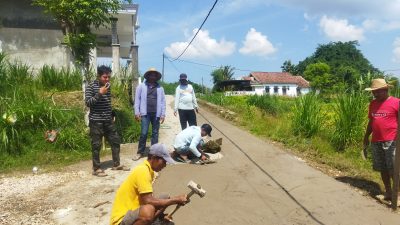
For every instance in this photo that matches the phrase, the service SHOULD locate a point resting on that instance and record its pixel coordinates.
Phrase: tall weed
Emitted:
(268, 103)
(307, 115)
(350, 119)
(61, 80)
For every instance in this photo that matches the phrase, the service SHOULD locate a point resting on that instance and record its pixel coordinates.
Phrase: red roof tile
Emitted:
(278, 78)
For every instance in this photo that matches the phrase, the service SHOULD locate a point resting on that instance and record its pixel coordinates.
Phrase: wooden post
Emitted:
(396, 171)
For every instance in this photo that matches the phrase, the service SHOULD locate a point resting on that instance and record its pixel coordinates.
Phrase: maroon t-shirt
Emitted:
(384, 119)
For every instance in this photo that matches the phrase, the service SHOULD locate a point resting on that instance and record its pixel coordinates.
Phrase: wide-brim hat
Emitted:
(378, 84)
(150, 71)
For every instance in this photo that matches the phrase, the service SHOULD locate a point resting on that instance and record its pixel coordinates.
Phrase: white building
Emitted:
(274, 83)
(29, 35)
(278, 83)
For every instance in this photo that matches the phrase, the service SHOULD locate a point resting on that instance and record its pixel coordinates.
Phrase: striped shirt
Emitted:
(100, 105)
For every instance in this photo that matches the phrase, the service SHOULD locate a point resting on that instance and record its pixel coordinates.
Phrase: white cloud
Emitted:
(257, 44)
(203, 46)
(396, 50)
(340, 30)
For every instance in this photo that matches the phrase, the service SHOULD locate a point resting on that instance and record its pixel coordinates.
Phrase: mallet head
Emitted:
(196, 188)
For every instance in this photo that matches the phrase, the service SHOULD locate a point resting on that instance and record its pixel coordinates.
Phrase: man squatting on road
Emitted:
(134, 202)
(383, 111)
(188, 143)
(101, 120)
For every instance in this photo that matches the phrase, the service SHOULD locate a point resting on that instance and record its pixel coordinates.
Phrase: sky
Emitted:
(259, 35)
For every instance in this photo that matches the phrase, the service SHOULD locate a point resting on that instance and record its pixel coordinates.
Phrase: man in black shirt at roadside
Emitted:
(101, 120)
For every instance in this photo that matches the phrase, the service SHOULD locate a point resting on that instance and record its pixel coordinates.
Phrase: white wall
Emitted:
(291, 89)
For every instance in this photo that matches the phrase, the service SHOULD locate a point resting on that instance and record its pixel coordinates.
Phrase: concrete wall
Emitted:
(28, 35)
(34, 47)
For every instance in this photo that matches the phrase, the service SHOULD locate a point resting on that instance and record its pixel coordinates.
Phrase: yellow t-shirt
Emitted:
(138, 182)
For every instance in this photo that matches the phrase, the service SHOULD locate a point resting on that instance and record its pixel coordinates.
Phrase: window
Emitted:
(298, 91)
(284, 89)
(276, 89)
(267, 88)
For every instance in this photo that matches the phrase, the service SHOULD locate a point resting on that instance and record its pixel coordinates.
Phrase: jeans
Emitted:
(187, 116)
(155, 126)
(98, 130)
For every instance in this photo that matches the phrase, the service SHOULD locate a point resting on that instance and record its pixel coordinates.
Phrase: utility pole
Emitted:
(163, 57)
(202, 85)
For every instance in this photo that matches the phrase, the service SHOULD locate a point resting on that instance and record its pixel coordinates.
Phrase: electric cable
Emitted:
(198, 30)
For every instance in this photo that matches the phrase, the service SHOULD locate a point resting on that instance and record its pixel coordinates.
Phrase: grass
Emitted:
(317, 147)
(31, 105)
(307, 116)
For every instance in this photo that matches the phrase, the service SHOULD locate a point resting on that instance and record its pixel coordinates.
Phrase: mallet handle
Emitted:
(178, 206)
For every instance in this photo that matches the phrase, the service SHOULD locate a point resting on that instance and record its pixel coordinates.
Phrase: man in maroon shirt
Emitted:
(382, 124)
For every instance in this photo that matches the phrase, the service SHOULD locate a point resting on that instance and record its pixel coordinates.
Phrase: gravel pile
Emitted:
(29, 184)
(21, 197)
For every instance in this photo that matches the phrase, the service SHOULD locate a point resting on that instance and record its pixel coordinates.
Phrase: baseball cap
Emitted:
(161, 150)
(183, 76)
(207, 128)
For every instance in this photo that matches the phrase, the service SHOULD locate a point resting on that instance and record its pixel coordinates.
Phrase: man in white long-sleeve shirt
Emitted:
(187, 142)
(185, 103)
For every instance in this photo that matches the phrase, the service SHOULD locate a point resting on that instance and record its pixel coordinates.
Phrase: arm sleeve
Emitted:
(194, 99)
(91, 98)
(177, 96)
(137, 100)
(143, 181)
(193, 145)
(163, 103)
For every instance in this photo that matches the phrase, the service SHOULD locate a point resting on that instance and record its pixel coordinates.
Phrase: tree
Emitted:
(319, 76)
(76, 18)
(346, 62)
(288, 67)
(222, 74)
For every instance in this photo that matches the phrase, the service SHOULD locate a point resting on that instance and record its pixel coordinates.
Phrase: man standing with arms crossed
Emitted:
(101, 120)
(383, 114)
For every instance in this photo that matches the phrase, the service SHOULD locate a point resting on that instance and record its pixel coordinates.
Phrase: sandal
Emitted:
(99, 173)
(120, 167)
(137, 157)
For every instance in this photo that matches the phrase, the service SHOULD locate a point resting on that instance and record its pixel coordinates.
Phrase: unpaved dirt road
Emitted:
(255, 183)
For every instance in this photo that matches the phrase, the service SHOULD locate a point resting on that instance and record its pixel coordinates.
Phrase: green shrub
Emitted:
(307, 115)
(350, 119)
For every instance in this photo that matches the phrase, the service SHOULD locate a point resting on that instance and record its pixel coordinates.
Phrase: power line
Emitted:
(198, 30)
(172, 63)
(208, 65)
(391, 70)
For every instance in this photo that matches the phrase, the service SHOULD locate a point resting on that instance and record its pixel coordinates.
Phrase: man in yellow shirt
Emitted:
(134, 203)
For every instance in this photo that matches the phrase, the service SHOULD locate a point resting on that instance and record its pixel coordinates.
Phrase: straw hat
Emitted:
(378, 84)
(152, 70)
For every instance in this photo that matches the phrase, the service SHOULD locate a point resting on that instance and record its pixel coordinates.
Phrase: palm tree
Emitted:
(221, 74)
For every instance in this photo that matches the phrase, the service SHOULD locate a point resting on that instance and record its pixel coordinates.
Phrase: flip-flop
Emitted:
(99, 173)
(178, 158)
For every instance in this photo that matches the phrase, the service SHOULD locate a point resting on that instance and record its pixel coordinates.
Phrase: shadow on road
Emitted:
(372, 188)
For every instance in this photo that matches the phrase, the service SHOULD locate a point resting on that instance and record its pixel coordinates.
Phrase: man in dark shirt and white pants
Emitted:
(101, 120)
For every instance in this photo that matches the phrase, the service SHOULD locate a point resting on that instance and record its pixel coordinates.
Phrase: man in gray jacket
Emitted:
(185, 103)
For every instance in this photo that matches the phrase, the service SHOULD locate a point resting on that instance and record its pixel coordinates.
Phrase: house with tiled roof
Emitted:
(278, 83)
(272, 83)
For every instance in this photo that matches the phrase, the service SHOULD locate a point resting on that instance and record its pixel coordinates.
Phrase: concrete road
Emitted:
(258, 183)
